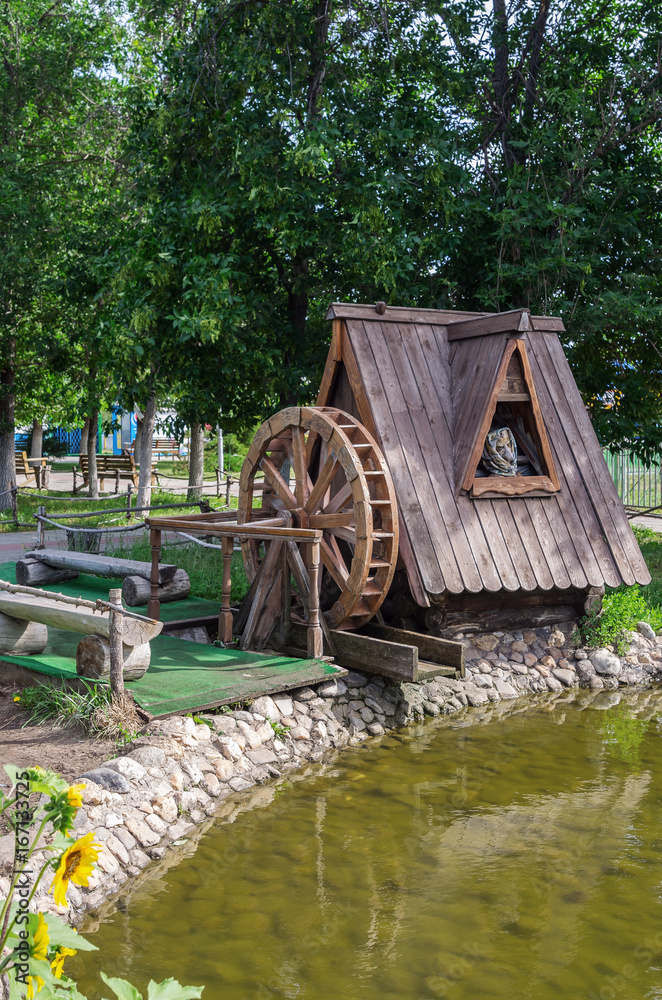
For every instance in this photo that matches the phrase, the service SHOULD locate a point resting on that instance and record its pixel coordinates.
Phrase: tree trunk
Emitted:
(7, 427)
(196, 462)
(22, 638)
(136, 440)
(83, 437)
(37, 439)
(92, 455)
(146, 443)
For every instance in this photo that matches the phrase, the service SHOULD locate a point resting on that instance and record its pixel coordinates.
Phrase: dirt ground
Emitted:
(66, 751)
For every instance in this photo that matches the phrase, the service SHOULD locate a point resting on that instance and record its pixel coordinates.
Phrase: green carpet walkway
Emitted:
(183, 676)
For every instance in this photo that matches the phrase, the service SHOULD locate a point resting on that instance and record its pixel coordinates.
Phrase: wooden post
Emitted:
(225, 614)
(117, 480)
(218, 482)
(227, 492)
(74, 472)
(153, 605)
(41, 512)
(14, 504)
(37, 476)
(129, 490)
(315, 635)
(115, 642)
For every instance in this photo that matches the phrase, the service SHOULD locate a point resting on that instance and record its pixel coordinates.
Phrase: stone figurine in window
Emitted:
(500, 452)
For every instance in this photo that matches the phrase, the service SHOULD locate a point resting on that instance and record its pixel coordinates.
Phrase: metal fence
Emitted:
(638, 485)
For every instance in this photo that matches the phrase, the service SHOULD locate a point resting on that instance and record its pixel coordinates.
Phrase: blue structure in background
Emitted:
(124, 433)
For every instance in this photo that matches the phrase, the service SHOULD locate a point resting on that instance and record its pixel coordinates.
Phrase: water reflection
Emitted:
(516, 857)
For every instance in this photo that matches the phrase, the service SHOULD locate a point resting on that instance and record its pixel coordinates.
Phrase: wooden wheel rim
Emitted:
(362, 511)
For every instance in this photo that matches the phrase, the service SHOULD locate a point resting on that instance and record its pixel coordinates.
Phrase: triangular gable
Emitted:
(492, 376)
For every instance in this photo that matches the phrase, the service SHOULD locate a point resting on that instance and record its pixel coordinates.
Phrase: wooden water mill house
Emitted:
(448, 480)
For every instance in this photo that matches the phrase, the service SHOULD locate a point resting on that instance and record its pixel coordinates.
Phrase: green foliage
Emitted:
(37, 945)
(92, 710)
(280, 731)
(621, 610)
(650, 543)
(204, 566)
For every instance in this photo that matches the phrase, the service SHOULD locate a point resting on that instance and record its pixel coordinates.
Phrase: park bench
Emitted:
(111, 466)
(163, 448)
(31, 468)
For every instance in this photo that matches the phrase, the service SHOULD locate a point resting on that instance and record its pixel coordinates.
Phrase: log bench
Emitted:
(111, 466)
(44, 566)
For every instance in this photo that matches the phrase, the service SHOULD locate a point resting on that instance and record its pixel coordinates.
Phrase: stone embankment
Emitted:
(174, 779)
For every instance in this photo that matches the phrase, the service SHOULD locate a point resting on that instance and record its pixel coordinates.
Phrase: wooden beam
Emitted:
(435, 650)
(490, 406)
(515, 321)
(81, 619)
(397, 314)
(371, 656)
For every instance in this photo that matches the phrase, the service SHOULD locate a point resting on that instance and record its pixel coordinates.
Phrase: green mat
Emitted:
(183, 676)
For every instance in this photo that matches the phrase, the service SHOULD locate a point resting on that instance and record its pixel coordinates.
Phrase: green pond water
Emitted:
(519, 857)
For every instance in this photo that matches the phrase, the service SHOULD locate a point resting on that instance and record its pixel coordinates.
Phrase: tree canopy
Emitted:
(185, 188)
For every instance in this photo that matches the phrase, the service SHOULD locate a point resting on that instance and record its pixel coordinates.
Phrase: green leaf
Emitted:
(64, 936)
(170, 989)
(122, 989)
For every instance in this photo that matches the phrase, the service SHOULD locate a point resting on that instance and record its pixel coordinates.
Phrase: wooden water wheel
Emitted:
(318, 467)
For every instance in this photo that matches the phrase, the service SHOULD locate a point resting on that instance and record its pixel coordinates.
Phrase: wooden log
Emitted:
(136, 591)
(361, 652)
(100, 565)
(33, 572)
(64, 616)
(509, 618)
(22, 638)
(93, 659)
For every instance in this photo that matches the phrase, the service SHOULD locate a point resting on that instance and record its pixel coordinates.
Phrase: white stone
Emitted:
(504, 689)
(567, 677)
(229, 747)
(284, 705)
(138, 829)
(332, 689)
(252, 739)
(165, 807)
(605, 662)
(267, 707)
(224, 769)
(553, 684)
(156, 824)
(178, 726)
(202, 732)
(130, 768)
(475, 696)
(192, 771)
(299, 733)
(265, 732)
(646, 630)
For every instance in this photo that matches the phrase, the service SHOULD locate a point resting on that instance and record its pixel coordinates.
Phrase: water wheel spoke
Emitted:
(278, 484)
(347, 534)
(334, 563)
(345, 519)
(337, 502)
(300, 469)
(324, 480)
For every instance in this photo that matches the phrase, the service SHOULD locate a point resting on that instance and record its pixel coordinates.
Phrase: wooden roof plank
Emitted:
(503, 513)
(422, 509)
(514, 320)
(380, 383)
(595, 555)
(499, 550)
(410, 361)
(592, 465)
(557, 518)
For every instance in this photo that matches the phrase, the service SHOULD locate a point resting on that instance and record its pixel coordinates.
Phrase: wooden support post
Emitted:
(227, 491)
(315, 636)
(37, 476)
(74, 472)
(41, 512)
(129, 491)
(218, 482)
(115, 643)
(14, 504)
(117, 480)
(153, 605)
(225, 614)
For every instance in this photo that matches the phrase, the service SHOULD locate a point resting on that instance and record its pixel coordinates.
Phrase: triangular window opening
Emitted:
(512, 456)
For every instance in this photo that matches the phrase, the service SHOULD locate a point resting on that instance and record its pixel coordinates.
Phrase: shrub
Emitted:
(622, 609)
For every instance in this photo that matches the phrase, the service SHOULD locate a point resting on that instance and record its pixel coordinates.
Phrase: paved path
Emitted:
(647, 521)
(13, 544)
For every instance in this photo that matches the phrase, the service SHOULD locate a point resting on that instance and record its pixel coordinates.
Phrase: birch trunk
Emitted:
(196, 462)
(92, 455)
(146, 444)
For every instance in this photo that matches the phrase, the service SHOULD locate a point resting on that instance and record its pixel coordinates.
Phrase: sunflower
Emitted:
(39, 951)
(40, 939)
(76, 865)
(57, 964)
(75, 795)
